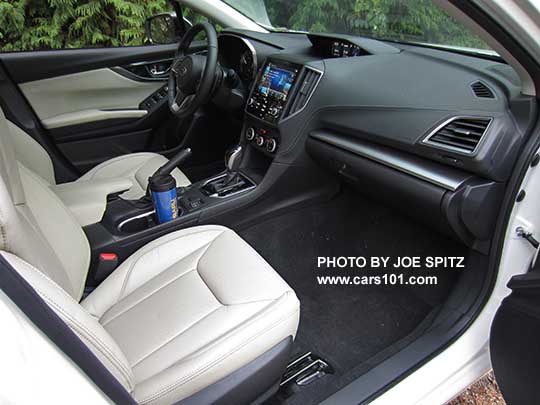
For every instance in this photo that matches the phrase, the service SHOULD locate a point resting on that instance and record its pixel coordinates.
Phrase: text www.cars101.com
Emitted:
(385, 279)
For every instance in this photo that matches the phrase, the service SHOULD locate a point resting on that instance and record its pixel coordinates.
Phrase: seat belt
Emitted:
(45, 319)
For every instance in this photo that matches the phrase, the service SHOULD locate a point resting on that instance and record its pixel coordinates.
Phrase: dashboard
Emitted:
(433, 132)
(239, 54)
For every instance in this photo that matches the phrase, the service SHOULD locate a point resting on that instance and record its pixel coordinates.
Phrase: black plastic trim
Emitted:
(439, 175)
(67, 61)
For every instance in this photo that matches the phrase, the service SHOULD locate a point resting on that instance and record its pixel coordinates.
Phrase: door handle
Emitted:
(158, 69)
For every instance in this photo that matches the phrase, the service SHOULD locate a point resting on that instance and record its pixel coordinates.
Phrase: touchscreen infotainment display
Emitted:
(272, 90)
(276, 82)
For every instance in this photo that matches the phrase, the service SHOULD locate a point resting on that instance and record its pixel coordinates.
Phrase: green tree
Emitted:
(54, 24)
(407, 20)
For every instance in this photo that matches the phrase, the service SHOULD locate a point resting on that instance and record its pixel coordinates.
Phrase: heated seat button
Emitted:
(194, 204)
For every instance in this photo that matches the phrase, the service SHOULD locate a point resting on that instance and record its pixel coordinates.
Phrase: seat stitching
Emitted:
(146, 297)
(175, 336)
(101, 346)
(44, 276)
(3, 230)
(35, 177)
(67, 315)
(128, 381)
(254, 318)
(207, 366)
(144, 251)
(246, 325)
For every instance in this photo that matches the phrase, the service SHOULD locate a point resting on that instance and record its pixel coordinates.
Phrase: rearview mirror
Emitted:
(162, 28)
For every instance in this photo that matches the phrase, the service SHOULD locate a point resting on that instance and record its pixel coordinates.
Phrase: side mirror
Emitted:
(162, 28)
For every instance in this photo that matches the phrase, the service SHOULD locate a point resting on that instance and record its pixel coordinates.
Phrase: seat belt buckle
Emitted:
(107, 263)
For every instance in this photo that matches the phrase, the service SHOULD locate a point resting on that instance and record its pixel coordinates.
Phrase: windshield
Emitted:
(418, 21)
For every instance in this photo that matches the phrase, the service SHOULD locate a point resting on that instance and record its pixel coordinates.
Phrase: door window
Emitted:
(44, 25)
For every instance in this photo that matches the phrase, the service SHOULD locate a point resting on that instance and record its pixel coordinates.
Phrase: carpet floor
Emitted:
(349, 324)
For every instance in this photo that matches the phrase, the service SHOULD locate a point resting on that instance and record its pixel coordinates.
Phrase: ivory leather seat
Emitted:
(180, 315)
(135, 167)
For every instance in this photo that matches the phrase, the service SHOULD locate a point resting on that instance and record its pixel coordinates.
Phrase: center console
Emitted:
(127, 217)
(237, 195)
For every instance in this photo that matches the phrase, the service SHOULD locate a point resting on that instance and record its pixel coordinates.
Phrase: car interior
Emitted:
(285, 147)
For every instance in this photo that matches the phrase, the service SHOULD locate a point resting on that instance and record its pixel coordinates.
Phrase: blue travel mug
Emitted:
(163, 190)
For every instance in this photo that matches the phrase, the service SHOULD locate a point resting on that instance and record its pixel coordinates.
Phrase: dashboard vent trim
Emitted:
(309, 80)
(460, 134)
(482, 90)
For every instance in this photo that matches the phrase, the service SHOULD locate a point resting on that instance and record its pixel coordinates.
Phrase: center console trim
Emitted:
(130, 219)
(253, 185)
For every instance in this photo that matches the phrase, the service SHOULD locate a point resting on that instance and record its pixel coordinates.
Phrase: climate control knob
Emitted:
(259, 141)
(250, 134)
(271, 145)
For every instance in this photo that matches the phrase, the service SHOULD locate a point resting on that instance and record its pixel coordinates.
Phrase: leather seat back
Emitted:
(42, 240)
(31, 154)
(36, 226)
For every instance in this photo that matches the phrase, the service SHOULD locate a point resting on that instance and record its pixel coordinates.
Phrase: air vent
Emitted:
(462, 134)
(307, 85)
(481, 90)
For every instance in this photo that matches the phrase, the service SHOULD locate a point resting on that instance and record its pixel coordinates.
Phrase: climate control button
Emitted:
(271, 145)
(259, 141)
(250, 134)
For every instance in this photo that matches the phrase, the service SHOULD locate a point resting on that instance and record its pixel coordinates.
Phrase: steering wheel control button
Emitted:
(250, 134)
(271, 145)
(259, 140)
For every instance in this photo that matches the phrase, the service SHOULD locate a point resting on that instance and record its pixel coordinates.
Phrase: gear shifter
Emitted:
(233, 158)
(232, 181)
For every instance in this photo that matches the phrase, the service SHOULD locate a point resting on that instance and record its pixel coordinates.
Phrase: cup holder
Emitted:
(137, 223)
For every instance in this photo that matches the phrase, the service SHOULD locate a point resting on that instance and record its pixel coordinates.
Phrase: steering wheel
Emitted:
(192, 77)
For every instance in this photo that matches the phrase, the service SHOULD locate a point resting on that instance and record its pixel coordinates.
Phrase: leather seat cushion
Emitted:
(192, 307)
(137, 167)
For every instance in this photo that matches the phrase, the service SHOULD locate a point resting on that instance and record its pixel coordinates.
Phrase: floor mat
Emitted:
(348, 324)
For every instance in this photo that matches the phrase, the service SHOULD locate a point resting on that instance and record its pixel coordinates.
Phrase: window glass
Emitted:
(420, 21)
(31, 25)
(194, 17)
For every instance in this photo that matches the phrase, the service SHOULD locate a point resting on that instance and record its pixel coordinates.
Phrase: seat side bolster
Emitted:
(78, 319)
(236, 274)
